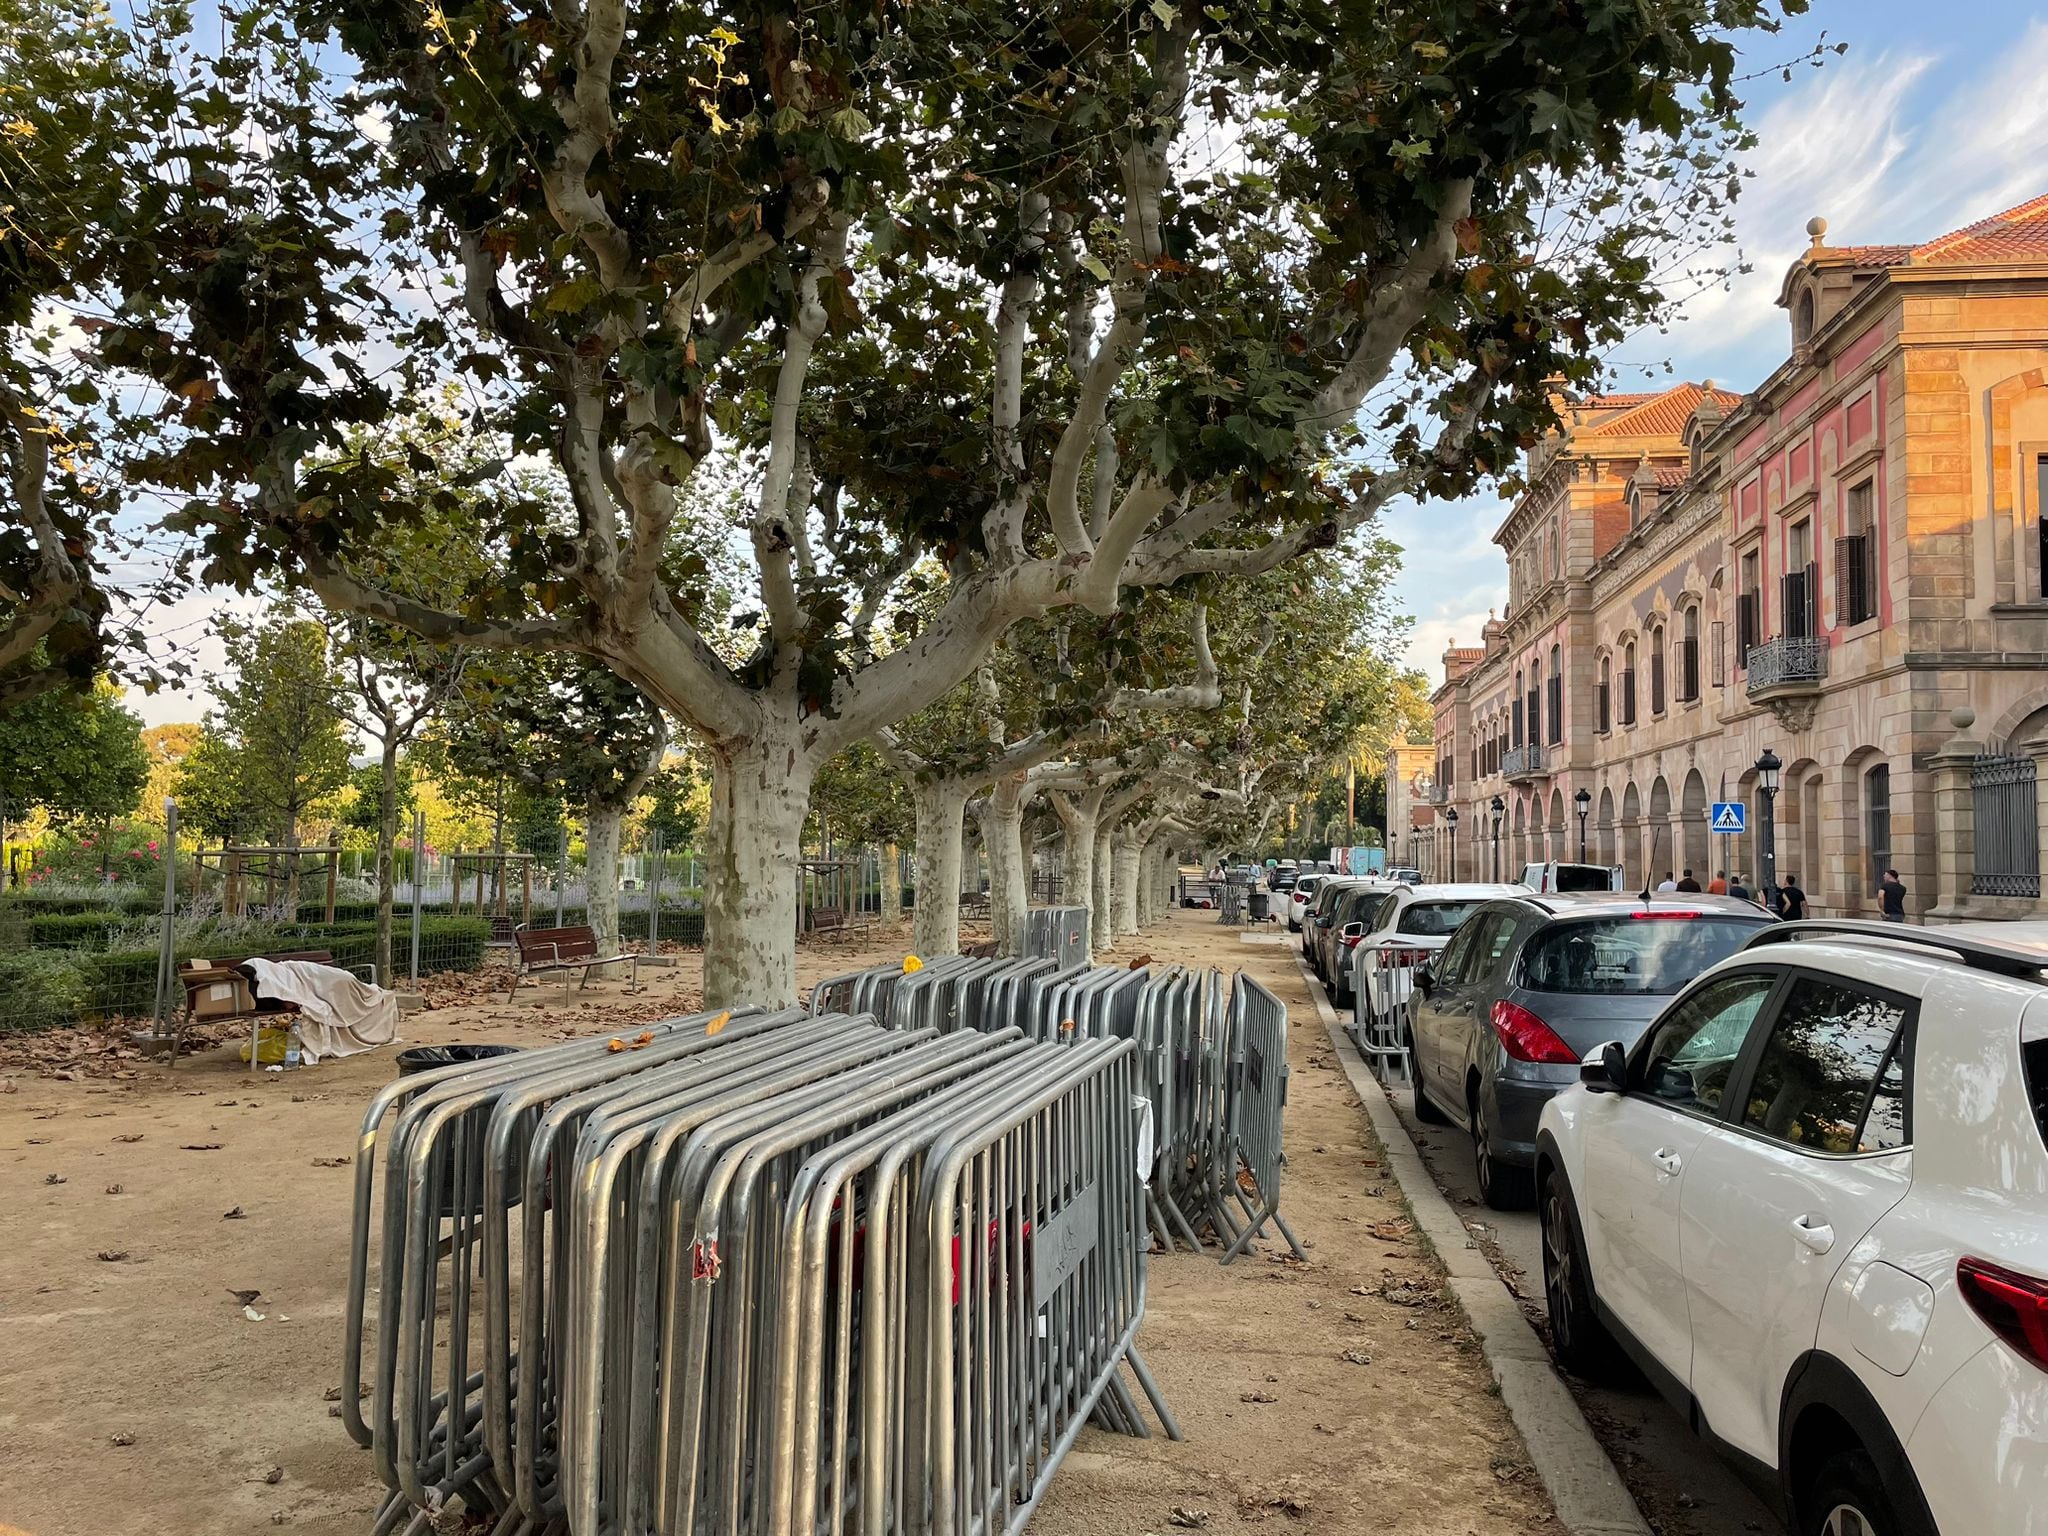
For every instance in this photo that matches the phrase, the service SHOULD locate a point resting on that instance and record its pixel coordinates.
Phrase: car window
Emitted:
(1583, 877)
(1829, 1079)
(1690, 1052)
(1433, 919)
(1641, 953)
(1451, 964)
(1489, 942)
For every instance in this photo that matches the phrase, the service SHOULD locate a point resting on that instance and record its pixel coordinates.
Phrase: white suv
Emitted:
(1812, 1204)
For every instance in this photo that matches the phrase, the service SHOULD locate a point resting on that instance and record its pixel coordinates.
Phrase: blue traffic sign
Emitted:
(1728, 816)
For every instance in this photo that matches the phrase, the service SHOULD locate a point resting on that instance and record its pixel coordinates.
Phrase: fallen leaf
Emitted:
(1256, 1396)
(114, 1189)
(54, 1178)
(1357, 1357)
(330, 1162)
(718, 1023)
(616, 1046)
(1187, 1519)
(200, 1146)
(134, 1136)
(237, 1214)
(243, 1298)
(112, 1255)
(121, 1437)
(274, 1475)
(39, 1141)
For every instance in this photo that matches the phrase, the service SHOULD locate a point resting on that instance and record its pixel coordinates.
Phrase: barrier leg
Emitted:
(1153, 1395)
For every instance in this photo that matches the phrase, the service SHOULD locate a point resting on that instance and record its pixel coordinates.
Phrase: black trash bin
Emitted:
(431, 1058)
(1262, 906)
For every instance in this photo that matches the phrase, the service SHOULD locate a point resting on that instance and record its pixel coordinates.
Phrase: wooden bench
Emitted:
(827, 919)
(247, 1005)
(544, 951)
(974, 904)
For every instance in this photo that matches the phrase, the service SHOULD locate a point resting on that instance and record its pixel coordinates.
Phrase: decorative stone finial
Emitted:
(1962, 719)
(1708, 386)
(1817, 227)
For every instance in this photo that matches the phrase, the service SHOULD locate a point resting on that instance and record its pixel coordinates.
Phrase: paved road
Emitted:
(1682, 1488)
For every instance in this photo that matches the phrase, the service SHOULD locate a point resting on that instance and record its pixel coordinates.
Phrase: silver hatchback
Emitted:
(1499, 1020)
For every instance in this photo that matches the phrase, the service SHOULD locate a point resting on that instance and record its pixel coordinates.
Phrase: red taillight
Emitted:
(1352, 941)
(1527, 1038)
(1660, 913)
(2013, 1306)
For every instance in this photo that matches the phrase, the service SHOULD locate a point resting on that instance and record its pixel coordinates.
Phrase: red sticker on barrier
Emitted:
(704, 1261)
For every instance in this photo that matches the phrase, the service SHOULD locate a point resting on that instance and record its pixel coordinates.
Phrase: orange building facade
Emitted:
(1845, 566)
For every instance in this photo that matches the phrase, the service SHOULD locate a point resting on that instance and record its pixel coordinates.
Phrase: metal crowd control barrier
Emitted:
(764, 1273)
(1211, 1067)
(1057, 933)
(1382, 978)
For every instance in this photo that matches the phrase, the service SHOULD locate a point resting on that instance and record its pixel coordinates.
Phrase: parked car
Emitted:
(1304, 890)
(1812, 1203)
(1348, 918)
(1404, 874)
(1412, 924)
(1318, 910)
(1500, 1019)
(1572, 877)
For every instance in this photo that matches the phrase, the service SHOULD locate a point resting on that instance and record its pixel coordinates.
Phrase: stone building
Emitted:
(1410, 813)
(1830, 566)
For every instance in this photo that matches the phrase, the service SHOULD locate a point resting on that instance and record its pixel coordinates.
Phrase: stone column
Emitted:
(1955, 819)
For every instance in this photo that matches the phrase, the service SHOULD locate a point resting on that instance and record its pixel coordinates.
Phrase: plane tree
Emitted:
(992, 315)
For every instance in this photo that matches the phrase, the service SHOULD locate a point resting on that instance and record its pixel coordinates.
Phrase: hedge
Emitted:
(42, 988)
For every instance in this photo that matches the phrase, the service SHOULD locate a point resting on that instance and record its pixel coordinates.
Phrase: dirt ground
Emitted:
(136, 1395)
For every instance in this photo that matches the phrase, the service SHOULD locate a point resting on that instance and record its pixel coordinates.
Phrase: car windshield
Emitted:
(1582, 877)
(1643, 953)
(1434, 919)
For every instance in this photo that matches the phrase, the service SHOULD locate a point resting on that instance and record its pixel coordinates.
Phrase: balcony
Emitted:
(1523, 763)
(1786, 675)
(1437, 794)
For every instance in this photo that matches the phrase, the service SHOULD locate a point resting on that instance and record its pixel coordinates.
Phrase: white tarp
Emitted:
(338, 1015)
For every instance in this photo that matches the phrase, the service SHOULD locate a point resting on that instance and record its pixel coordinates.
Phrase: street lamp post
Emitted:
(1499, 809)
(1767, 770)
(1451, 823)
(1583, 800)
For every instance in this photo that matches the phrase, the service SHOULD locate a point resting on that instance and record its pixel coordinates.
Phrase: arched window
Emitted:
(1689, 657)
(1802, 319)
(1656, 641)
(1556, 694)
(1536, 704)
(1628, 684)
(1515, 710)
(1877, 824)
(1603, 698)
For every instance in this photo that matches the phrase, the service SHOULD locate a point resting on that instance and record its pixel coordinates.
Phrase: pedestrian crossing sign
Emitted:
(1727, 816)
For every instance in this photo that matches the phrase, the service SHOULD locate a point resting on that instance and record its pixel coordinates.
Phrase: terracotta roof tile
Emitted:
(1867, 255)
(1659, 415)
(2018, 234)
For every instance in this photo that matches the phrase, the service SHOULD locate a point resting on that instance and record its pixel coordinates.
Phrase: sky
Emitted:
(1934, 118)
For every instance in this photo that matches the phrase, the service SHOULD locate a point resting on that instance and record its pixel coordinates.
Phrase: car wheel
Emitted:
(1502, 1185)
(1848, 1499)
(1425, 1107)
(1579, 1339)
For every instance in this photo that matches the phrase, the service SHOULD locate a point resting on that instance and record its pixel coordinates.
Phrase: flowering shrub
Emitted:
(116, 854)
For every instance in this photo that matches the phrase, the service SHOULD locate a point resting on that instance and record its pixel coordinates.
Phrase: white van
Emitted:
(1572, 877)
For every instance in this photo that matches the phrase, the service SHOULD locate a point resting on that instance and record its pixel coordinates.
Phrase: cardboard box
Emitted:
(223, 998)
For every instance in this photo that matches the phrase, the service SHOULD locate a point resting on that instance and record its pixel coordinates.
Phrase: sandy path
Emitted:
(150, 1347)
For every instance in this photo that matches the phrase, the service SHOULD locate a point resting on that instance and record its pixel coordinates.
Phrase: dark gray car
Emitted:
(1499, 1020)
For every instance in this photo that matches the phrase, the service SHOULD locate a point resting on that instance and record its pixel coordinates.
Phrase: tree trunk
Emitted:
(1125, 877)
(1009, 893)
(1101, 915)
(601, 874)
(1148, 885)
(760, 790)
(892, 883)
(941, 809)
(1078, 817)
(387, 838)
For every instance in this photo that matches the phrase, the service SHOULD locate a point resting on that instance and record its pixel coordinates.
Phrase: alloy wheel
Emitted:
(1557, 1262)
(1847, 1520)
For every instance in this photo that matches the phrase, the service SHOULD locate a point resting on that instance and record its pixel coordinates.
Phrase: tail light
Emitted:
(1659, 914)
(2013, 1306)
(1527, 1038)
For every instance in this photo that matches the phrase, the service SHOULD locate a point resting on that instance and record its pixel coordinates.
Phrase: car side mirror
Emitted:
(1605, 1068)
(1351, 931)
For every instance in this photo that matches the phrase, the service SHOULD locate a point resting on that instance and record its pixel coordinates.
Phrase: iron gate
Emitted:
(2008, 849)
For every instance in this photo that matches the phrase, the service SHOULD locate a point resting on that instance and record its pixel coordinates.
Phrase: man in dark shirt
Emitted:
(1736, 888)
(1891, 897)
(1791, 900)
(1687, 883)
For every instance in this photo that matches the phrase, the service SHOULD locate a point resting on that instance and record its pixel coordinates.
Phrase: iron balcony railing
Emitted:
(1438, 794)
(1789, 659)
(1522, 762)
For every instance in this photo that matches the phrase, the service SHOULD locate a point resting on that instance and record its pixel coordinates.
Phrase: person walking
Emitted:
(1688, 884)
(1737, 889)
(1791, 900)
(1666, 884)
(1891, 897)
(1718, 886)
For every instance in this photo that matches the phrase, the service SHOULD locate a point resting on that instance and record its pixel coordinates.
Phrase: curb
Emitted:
(1588, 1494)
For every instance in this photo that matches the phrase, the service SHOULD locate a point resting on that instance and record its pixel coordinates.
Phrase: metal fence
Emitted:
(751, 1272)
(2008, 848)
(1058, 933)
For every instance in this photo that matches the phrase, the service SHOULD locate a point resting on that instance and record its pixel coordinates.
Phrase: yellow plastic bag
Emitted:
(271, 1044)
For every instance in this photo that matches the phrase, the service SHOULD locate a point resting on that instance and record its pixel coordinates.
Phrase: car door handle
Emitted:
(1668, 1161)
(1814, 1235)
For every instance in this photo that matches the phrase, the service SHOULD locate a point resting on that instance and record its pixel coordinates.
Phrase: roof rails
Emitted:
(1978, 954)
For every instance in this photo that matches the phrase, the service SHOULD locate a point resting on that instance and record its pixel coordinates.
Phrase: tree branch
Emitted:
(1205, 692)
(59, 581)
(586, 111)
(1003, 525)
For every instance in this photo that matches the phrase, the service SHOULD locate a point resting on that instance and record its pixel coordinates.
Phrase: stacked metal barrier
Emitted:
(1057, 933)
(1213, 1065)
(758, 1273)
